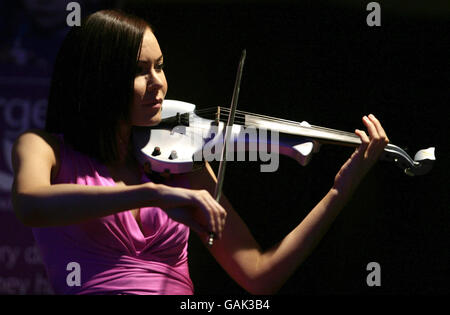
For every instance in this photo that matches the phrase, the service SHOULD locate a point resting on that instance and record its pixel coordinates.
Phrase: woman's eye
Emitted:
(140, 70)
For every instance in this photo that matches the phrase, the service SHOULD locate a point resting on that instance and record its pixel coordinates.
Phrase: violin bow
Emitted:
(230, 122)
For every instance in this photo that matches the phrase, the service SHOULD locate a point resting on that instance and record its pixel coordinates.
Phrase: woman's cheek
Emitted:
(139, 87)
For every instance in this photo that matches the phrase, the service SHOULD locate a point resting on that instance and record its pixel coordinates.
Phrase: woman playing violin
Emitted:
(87, 199)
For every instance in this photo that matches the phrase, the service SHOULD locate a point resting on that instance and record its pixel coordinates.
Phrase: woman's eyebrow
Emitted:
(157, 60)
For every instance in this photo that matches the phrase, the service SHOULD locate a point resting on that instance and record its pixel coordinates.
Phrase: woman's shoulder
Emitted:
(38, 142)
(38, 138)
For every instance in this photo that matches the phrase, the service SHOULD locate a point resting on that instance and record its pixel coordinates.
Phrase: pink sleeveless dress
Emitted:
(113, 254)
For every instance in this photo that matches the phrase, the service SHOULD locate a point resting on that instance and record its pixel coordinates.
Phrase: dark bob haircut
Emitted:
(93, 81)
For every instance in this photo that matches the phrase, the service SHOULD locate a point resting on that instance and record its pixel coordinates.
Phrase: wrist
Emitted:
(341, 194)
(164, 196)
(346, 185)
(153, 193)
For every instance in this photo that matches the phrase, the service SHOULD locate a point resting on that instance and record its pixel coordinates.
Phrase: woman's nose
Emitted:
(155, 80)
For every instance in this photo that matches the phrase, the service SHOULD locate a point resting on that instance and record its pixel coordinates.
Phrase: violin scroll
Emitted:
(420, 165)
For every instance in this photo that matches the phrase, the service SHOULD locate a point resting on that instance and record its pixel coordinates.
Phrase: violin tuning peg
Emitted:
(165, 174)
(156, 151)
(173, 155)
(147, 167)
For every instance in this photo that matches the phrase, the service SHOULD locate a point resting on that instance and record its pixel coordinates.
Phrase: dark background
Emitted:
(321, 62)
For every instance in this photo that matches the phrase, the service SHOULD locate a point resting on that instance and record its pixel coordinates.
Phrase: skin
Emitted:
(150, 86)
(38, 203)
(150, 83)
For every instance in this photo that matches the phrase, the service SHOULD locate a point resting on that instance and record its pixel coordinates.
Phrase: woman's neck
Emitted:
(125, 156)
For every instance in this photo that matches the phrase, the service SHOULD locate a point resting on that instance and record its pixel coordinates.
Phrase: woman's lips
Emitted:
(155, 104)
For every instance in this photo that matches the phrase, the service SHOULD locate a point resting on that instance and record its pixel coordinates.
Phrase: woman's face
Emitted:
(150, 85)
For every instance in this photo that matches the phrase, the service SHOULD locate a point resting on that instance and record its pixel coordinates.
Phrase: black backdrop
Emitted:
(322, 63)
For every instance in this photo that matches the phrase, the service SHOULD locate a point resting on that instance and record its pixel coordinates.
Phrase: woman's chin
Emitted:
(149, 123)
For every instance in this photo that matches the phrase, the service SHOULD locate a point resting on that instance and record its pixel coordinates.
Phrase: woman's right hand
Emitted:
(195, 208)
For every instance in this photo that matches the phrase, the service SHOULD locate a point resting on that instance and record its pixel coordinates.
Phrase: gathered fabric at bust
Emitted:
(114, 255)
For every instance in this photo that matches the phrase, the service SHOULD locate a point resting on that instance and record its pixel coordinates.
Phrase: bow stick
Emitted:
(230, 122)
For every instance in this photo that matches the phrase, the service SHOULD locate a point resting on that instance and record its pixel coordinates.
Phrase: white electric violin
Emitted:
(180, 141)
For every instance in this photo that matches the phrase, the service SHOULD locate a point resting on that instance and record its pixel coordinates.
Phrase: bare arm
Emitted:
(265, 272)
(39, 203)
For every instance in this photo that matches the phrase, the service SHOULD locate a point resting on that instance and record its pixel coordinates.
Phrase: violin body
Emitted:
(185, 138)
(181, 147)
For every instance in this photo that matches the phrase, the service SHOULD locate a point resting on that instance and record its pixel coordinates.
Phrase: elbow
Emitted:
(262, 279)
(260, 286)
(23, 216)
(262, 290)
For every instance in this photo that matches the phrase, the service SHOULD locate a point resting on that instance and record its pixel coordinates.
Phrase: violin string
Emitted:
(294, 123)
(241, 121)
(223, 112)
(213, 113)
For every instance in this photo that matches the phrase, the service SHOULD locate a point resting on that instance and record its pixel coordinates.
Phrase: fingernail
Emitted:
(371, 116)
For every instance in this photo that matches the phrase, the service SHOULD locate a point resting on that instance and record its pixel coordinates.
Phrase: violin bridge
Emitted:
(217, 118)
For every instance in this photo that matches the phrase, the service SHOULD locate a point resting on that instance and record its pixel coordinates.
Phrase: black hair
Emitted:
(93, 81)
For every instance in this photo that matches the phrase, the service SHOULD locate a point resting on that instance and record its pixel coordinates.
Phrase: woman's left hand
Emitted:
(364, 157)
